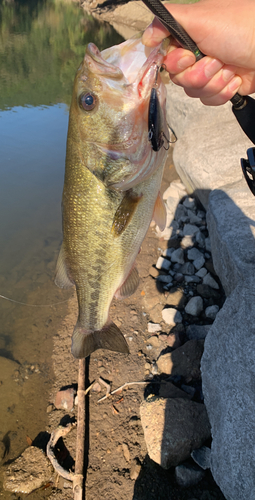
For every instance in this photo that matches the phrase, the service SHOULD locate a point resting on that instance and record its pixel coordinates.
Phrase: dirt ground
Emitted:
(117, 464)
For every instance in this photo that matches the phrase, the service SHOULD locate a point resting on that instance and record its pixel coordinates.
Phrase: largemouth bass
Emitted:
(111, 187)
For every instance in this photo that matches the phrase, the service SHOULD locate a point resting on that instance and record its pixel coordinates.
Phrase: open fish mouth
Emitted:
(133, 69)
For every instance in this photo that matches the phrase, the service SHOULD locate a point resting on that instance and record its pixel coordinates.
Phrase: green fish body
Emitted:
(111, 187)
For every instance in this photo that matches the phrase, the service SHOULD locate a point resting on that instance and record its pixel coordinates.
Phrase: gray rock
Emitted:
(171, 316)
(194, 306)
(193, 218)
(189, 202)
(190, 229)
(168, 252)
(178, 256)
(188, 268)
(210, 281)
(202, 457)
(173, 428)
(194, 253)
(180, 213)
(201, 272)
(208, 244)
(197, 331)
(211, 311)
(228, 370)
(200, 239)
(192, 279)
(183, 361)
(187, 475)
(199, 262)
(165, 278)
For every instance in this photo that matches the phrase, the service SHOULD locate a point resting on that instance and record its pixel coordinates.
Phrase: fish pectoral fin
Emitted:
(159, 213)
(110, 337)
(61, 277)
(129, 286)
(125, 212)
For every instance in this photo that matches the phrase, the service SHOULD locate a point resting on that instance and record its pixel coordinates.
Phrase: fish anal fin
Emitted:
(129, 286)
(159, 213)
(61, 277)
(110, 337)
(125, 212)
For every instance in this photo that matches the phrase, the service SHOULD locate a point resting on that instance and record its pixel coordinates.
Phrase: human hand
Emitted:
(225, 31)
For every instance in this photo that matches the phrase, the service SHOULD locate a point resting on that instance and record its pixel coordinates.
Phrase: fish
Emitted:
(111, 187)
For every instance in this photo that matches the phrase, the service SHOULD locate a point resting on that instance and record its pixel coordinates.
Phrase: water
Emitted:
(41, 46)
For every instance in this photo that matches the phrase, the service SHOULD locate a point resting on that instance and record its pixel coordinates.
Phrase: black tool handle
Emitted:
(243, 106)
(170, 23)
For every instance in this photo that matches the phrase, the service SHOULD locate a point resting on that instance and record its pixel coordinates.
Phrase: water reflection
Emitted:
(41, 46)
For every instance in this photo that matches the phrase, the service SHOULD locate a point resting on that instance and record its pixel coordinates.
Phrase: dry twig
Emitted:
(127, 384)
(55, 435)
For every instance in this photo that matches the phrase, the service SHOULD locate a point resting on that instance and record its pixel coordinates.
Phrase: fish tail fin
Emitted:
(110, 337)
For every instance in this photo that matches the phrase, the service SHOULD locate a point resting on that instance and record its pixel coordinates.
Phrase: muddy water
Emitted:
(41, 45)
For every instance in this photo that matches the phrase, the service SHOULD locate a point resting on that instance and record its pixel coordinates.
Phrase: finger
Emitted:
(225, 95)
(154, 34)
(198, 75)
(178, 59)
(216, 85)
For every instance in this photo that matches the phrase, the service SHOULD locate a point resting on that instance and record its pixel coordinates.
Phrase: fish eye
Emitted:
(87, 101)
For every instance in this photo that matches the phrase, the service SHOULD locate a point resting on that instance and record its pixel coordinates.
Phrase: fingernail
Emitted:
(227, 74)
(235, 84)
(186, 61)
(212, 67)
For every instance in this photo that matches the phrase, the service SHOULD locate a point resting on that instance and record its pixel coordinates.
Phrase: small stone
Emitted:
(191, 279)
(187, 475)
(199, 262)
(189, 389)
(126, 451)
(180, 213)
(197, 331)
(178, 256)
(187, 241)
(174, 340)
(210, 281)
(147, 366)
(50, 408)
(208, 244)
(189, 202)
(194, 306)
(171, 191)
(96, 387)
(172, 203)
(64, 400)
(194, 219)
(211, 311)
(154, 327)
(154, 341)
(163, 336)
(183, 361)
(201, 272)
(163, 263)
(200, 239)
(178, 277)
(176, 298)
(188, 268)
(194, 253)
(153, 272)
(135, 471)
(190, 229)
(166, 279)
(171, 316)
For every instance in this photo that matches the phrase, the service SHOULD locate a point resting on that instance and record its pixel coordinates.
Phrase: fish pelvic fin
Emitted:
(159, 213)
(110, 337)
(129, 286)
(62, 279)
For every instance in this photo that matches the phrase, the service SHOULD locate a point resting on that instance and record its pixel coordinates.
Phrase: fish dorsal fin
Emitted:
(159, 213)
(129, 286)
(125, 212)
(110, 337)
(61, 277)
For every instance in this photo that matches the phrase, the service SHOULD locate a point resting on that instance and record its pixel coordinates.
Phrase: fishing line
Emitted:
(34, 305)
